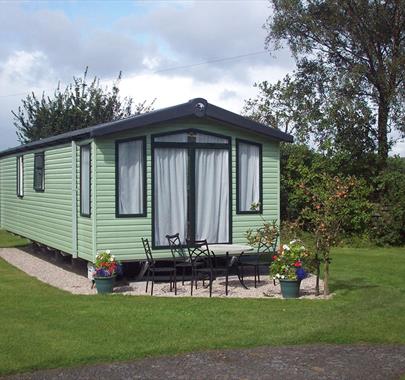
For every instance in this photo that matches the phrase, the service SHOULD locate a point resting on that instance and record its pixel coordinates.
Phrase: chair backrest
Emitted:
(148, 252)
(175, 245)
(198, 250)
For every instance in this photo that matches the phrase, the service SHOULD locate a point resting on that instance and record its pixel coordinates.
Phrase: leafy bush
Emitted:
(302, 166)
(388, 227)
(375, 210)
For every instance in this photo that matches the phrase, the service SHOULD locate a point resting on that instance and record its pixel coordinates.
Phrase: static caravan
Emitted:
(193, 168)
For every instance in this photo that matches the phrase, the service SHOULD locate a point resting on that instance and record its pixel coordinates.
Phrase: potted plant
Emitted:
(105, 271)
(291, 264)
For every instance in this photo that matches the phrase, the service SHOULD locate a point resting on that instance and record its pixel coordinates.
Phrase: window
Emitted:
(85, 179)
(131, 177)
(248, 177)
(20, 176)
(191, 185)
(39, 172)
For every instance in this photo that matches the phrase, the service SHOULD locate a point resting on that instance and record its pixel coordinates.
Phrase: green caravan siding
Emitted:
(123, 235)
(84, 224)
(46, 216)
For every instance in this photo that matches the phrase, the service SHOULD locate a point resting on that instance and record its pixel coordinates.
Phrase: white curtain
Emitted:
(170, 207)
(85, 179)
(249, 176)
(131, 171)
(212, 195)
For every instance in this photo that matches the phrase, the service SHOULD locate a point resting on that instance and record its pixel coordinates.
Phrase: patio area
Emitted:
(61, 275)
(265, 289)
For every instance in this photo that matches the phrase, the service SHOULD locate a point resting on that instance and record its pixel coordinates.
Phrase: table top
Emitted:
(219, 249)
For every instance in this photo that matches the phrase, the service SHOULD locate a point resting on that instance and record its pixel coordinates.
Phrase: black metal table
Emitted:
(232, 253)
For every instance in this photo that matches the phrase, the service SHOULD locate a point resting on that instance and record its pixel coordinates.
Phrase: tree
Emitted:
(310, 104)
(333, 203)
(81, 104)
(361, 42)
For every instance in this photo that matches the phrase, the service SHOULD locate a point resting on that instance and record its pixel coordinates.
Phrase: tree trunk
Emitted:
(383, 112)
(326, 277)
(317, 276)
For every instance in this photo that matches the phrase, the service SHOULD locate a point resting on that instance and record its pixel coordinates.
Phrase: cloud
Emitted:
(21, 71)
(170, 90)
(398, 149)
(71, 45)
(157, 37)
(208, 31)
(50, 42)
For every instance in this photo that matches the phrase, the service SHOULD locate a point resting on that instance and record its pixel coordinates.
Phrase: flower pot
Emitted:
(104, 284)
(290, 288)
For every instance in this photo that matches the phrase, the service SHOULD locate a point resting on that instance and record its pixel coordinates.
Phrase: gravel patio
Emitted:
(62, 275)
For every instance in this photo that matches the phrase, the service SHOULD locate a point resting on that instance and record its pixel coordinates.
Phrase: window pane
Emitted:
(177, 137)
(170, 206)
(249, 176)
(20, 176)
(39, 171)
(201, 138)
(212, 195)
(85, 180)
(131, 172)
(209, 139)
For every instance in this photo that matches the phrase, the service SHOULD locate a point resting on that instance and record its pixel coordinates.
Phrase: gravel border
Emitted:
(62, 276)
(34, 265)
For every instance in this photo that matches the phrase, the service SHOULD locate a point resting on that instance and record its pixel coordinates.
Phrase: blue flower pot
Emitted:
(290, 288)
(104, 285)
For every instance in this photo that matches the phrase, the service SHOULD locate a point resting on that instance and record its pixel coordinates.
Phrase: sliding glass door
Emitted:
(191, 187)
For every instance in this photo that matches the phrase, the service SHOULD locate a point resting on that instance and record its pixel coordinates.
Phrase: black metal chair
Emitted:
(180, 257)
(262, 257)
(204, 264)
(153, 269)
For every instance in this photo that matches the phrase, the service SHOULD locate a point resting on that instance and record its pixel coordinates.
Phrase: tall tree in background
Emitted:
(311, 105)
(81, 104)
(359, 46)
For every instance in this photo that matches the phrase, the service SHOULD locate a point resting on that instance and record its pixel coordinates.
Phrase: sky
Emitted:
(161, 47)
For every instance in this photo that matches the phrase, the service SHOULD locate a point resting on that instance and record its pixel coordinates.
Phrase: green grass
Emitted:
(43, 327)
(10, 240)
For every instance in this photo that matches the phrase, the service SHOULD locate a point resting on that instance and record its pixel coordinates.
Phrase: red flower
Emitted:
(297, 264)
(275, 257)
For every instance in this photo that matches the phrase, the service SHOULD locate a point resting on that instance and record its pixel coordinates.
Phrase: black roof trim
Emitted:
(198, 107)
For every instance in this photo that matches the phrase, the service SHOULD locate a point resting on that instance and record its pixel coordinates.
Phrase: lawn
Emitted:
(10, 240)
(43, 327)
